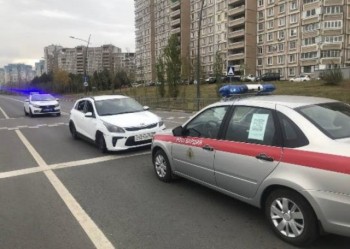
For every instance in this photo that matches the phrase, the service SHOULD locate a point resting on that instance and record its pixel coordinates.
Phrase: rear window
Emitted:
(333, 119)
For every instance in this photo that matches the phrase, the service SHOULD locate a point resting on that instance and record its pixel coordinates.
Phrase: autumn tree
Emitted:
(172, 57)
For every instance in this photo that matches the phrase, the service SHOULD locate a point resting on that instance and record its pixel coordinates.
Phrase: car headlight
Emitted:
(36, 106)
(57, 105)
(161, 123)
(113, 128)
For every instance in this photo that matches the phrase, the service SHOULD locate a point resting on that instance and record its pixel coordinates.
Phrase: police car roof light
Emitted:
(232, 90)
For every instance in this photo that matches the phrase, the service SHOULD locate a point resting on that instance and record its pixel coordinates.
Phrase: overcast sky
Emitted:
(27, 26)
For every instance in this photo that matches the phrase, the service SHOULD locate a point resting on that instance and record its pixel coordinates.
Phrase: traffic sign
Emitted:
(86, 84)
(230, 71)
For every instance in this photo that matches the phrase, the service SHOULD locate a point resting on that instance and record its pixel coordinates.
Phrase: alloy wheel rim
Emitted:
(287, 217)
(160, 166)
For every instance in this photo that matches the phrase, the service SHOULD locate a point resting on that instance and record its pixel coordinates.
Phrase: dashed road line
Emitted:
(4, 113)
(91, 229)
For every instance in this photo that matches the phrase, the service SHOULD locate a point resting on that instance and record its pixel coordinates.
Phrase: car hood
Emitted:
(51, 102)
(344, 140)
(134, 119)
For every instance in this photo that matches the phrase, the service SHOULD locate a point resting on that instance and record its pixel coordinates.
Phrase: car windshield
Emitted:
(117, 106)
(42, 97)
(333, 119)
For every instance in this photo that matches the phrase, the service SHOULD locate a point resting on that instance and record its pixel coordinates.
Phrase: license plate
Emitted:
(47, 110)
(142, 137)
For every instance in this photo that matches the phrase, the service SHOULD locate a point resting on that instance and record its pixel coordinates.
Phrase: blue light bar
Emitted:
(231, 90)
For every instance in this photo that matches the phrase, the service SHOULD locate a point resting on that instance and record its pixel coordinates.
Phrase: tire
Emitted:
(291, 217)
(101, 143)
(73, 130)
(30, 113)
(25, 112)
(162, 166)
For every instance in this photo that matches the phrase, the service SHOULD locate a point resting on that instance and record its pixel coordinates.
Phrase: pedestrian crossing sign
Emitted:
(230, 70)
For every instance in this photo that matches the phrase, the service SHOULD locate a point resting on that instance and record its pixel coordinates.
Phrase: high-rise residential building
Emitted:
(39, 68)
(2, 77)
(18, 74)
(291, 37)
(226, 30)
(72, 60)
(302, 36)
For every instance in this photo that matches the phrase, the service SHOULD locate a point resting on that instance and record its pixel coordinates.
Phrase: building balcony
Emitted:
(175, 14)
(237, 33)
(309, 62)
(333, 2)
(332, 46)
(176, 31)
(236, 10)
(309, 48)
(235, 1)
(175, 23)
(330, 60)
(236, 56)
(175, 4)
(235, 45)
(236, 22)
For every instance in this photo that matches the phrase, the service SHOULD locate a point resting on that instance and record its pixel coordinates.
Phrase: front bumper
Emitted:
(332, 210)
(45, 110)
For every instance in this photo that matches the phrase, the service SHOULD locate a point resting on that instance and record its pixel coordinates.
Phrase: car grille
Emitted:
(141, 127)
(47, 106)
(131, 141)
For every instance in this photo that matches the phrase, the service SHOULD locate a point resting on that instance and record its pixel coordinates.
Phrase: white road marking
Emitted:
(92, 230)
(4, 113)
(169, 118)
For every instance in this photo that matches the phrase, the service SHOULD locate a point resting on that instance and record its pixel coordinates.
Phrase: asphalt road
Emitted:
(56, 192)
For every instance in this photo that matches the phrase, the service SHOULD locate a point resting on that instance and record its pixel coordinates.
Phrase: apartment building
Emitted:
(302, 36)
(39, 68)
(226, 30)
(51, 57)
(17, 74)
(2, 77)
(72, 60)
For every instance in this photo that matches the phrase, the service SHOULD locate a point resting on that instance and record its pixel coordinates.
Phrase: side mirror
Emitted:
(88, 115)
(178, 131)
(146, 107)
(26, 100)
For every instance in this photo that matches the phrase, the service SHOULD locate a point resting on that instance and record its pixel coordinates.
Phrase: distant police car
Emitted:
(114, 122)
(39, 104)
(289, 155)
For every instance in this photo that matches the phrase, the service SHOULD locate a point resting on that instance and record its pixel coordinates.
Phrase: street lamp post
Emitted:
(85, 83)
(198, 53)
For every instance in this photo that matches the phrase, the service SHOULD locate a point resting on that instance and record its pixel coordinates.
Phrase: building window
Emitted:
(260, 3)
(291, 71)
(309, 55)
(309, 1)
(271, 1)
(330, 53)
(259, 62)
(282, 8)
(280, 35)
(293, 32)
(280, 59)
(332, 39)
(260, 50)
(282, 21)
(280, 47)
(269, 60)
(333, 24)
(261, 14)
(261, 26)
(309, 13)
(260, 38)
(270, 36)
(270, 24)
(293, 5)
(311, 27)
(292, 58)
(293, 18)
(309, 41)
(332, 10)
(270, 12)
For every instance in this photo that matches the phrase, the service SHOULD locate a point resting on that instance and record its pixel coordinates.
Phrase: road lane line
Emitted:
(91, 229)
(64, 165)
(4, 113)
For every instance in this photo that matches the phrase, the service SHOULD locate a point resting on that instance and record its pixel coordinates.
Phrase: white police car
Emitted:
(40, 104)
(289, 155)
(114, 122)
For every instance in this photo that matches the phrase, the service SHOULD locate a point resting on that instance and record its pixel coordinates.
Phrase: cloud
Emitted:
(56, 14)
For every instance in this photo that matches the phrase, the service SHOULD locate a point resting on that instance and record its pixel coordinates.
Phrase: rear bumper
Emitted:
(332, 209)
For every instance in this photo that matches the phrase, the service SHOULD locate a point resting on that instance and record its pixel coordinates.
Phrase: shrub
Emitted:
(332, 76)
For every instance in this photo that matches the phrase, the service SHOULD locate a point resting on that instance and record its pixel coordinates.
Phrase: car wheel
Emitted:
(73, 131)
(101, 143)
(162, 166)
(291, 217)
(31, 113)
(25, 112)
(58, 114)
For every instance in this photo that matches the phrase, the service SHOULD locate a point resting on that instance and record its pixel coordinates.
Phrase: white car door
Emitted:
(77, 116)
(89, 124)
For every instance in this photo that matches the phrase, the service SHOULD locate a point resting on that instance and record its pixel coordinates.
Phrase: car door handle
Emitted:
(264, 157)
(207, 147)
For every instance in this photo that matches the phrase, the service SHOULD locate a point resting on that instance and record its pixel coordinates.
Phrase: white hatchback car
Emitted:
(301, 78)
(114, 122)
(40, 104)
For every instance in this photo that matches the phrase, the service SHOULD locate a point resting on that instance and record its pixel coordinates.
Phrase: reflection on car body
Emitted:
(289, 155)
